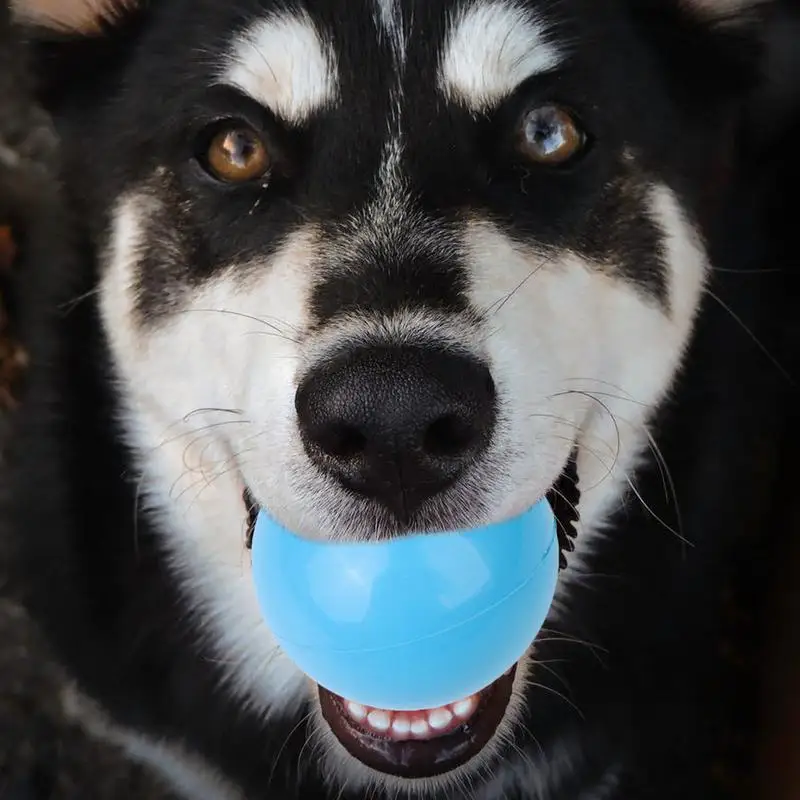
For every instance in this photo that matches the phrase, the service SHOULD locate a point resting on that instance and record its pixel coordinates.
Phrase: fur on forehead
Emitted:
(70, 16)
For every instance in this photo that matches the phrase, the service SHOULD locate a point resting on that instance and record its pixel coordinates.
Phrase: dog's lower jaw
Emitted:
(341, 769)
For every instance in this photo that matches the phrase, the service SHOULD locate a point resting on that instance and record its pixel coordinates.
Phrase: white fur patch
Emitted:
(491, 47)
(595, 381)
(200, 394)
(284, 63)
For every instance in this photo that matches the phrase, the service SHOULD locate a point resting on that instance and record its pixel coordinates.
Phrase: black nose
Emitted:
(397, 424)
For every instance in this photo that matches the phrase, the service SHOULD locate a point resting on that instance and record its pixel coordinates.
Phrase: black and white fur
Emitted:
(168, 349)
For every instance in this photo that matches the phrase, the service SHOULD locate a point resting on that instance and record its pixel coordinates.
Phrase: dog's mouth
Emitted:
(433, 741)
(423, 743)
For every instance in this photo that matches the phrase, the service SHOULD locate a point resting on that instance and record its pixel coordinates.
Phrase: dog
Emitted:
(385, 267)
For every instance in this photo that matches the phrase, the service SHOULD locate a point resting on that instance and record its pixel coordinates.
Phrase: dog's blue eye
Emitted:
(549, 135)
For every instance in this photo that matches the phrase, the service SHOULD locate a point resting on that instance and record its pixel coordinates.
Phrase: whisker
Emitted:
(567, 640)
(194, 431)
(251, 317)
(308, 742)
(655, 516)
(584, 447)
(617, 388)
(677, 533)
(211, 410)
(560, 636)
(188, 469)
(200, 433)
(734, 271)
(774, 361)
(70, 305)
(547, 668)
(555, 417)
(612, 417)
(276, 760)
(273, 334)
(206, 483)
(562, 527)
(556, 693)
(670, 490)
(498, 306)
(536, 741)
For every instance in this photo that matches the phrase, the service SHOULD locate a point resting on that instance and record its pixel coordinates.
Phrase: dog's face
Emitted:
(385, 266)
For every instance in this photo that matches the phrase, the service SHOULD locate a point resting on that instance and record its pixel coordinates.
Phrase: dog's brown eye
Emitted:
(549, 135)
(237, 154)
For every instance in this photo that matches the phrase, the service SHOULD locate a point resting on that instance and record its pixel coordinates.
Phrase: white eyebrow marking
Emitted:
(284, 63)
(490, 49)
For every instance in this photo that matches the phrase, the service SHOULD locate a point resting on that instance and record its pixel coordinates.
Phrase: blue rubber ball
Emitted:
(412, 622)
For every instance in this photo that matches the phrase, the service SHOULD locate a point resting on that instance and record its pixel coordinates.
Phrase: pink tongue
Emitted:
(403, 725)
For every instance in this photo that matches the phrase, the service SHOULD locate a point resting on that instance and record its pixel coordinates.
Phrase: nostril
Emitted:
(340, 440)
(396, 424)
(450, 436)
(456, 434)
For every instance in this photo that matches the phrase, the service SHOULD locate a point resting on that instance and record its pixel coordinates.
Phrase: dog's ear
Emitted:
(69, 16)
(713, 50)
(73, 44)
(726, 12)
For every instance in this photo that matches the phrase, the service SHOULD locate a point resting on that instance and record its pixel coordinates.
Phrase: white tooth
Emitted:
(356, 711)
(379, 720)
(419, 727)
(440, 719)
(401, 725)
(464, 708)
